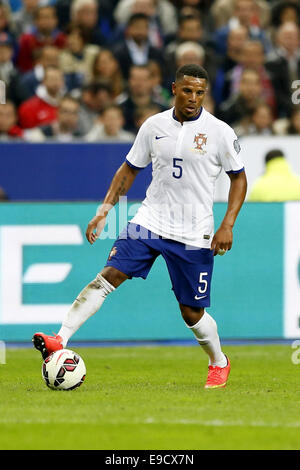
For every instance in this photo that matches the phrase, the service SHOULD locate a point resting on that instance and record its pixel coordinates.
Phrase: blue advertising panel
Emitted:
(64, 172)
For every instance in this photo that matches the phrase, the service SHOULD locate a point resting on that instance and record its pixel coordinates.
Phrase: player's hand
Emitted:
(95, 228)
(222, 240)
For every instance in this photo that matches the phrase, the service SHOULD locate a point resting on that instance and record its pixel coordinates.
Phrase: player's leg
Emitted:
(191, 272)
(130, 256)
(205, 330)
(88, 302)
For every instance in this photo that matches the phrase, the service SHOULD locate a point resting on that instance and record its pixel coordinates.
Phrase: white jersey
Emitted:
(186, 161)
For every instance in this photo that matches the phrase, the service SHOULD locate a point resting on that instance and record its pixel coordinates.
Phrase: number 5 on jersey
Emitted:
(178, 173)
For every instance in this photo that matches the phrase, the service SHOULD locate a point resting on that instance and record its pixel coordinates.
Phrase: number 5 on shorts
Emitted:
(203, 283)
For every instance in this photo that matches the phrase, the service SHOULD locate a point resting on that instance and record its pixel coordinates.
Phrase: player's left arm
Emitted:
(223, 237)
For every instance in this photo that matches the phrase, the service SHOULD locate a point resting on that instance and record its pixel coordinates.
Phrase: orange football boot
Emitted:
(217, 376)
(47, 344)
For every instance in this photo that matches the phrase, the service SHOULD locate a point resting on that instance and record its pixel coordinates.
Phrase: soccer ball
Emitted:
(63, 370)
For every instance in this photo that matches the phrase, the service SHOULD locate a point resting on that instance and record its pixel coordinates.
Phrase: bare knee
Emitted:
(191, 315)
(113, 276)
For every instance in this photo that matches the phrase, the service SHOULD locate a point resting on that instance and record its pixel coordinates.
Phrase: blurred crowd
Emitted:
(94, 70)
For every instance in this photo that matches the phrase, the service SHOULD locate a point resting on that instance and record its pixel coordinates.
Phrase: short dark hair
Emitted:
(195, 17)
(192, 70)
(136, 17)
(138, 67)
(40, 8)
(279, 8)
(273, 154)
(96, 86)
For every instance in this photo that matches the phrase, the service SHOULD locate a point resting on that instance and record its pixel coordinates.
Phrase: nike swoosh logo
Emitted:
(201, 297)
(162, 137)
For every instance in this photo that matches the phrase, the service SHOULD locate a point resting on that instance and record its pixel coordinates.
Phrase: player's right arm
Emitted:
(137, 159)
(120, 185)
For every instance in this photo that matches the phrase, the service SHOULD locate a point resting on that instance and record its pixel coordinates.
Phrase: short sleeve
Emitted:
(139, 155)
(230, 152)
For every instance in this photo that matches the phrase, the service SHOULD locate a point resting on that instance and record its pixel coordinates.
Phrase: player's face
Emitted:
(189, 95)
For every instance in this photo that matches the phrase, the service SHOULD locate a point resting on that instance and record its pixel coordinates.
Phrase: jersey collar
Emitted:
(187, 120)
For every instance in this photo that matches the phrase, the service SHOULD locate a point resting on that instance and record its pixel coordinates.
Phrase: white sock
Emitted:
(206, 333)
(87, 303)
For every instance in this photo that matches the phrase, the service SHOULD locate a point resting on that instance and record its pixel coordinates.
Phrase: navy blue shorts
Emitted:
(190, 270)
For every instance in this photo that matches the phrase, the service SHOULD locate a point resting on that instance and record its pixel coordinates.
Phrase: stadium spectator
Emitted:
(106, 67)
(143, 113)
(209, 102)
(109, 127)
(252, 56)
(284, 11)
(42, 107)
(65, 128)
(197, 7)
(238, 108)
(9, 128)
(136, 49)
(162, 17)
(139, 95)
(245, 14)
(24, 18)
(94, 98)
(222, 12)
(160, 94)
(7, 23)
(8, 73)
(85, 15)
(76, 60)
(278, 183)
(284, 65)
(47, 56)
(44, 33)
(189, 52)
(235, 41)
(63, 11)
(8, 122)
(190, 30)
(105, 15)
(260, 122)
(290, 125)
(294, 124)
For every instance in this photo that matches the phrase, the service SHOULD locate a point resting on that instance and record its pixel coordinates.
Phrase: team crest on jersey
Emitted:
(112, 253)
(200, 141)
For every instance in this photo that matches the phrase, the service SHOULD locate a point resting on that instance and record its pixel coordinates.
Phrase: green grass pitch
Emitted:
(152, 398)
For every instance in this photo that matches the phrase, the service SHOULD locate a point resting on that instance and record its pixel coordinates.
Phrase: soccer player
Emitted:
(187, 147)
